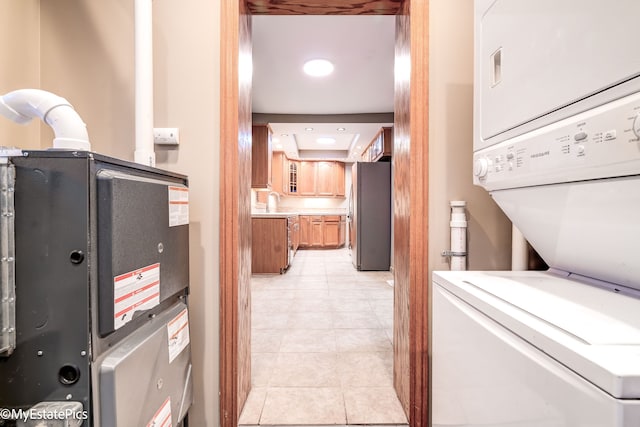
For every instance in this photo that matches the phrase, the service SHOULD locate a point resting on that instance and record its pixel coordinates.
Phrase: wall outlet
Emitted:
(166, 136)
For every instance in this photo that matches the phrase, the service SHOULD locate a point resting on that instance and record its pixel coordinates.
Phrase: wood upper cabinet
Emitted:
(291, 177)
(380, 147)
(307, 178)
(339, 179)
(278, 172)
(325, 178)
(261, 156)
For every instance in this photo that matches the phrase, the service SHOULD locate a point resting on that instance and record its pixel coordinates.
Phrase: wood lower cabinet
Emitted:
(317, 232)
(305, 231)
(331, 235)
(270, 245)
(322, 231)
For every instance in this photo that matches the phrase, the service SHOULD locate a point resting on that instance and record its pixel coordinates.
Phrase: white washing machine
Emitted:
(557, 144)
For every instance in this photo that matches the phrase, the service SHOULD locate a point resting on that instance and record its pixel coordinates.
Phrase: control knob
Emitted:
(481, 167)
(636, 126)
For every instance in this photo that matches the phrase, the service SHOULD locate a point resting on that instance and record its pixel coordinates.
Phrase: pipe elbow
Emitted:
(23, 105)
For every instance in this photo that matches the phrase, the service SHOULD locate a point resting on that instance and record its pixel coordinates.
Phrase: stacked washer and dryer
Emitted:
(557, 145)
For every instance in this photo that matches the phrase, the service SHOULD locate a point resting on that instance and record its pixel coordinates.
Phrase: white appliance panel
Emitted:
(599, 143)
(587, 227)
(523, 48)
(485, 375)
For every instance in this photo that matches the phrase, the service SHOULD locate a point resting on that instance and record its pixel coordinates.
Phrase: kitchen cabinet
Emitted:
(322, 231)
(331, 231)
(278, 175)
(270, 245)
(381, 146)
(307, 178)
(330, 179)
(261, 156)
(305, 231)
(291, 177)
(326, 179)
(316, 238)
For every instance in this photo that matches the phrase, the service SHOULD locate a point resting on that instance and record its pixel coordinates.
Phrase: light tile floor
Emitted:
(321, 345)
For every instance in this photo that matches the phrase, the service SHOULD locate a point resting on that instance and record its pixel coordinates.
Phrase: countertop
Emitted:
(288, 214)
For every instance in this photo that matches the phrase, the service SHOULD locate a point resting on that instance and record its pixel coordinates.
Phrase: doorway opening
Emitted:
(322, 332)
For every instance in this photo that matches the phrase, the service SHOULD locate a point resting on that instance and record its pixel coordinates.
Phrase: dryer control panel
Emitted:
(603, 142)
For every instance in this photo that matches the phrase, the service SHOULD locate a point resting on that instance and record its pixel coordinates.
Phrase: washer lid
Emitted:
(592, 331)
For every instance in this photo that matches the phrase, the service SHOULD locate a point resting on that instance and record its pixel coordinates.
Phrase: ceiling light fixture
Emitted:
(318, 67)
(284, 134)
(308, 129)
(325, 140)
(341, 129)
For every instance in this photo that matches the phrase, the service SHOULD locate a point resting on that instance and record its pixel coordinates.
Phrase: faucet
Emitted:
(269, 198)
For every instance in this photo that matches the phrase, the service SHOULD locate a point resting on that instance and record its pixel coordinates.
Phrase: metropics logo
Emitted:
(42, 415)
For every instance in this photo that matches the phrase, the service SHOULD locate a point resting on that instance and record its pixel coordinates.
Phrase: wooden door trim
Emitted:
(229, 195)
(229, 129)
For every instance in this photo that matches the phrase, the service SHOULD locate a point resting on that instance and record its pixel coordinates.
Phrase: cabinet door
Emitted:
(291, 177)
(316, 232)
(339, 178)
(342, 231)
(261, 157)
(326, 183)
(277, 172)
(307, 178)
(305, 230)
(331, 234)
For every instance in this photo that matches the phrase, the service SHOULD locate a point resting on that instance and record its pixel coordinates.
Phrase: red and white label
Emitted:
(178, 206)
(178, 333)
(135, 291)
(162, 417)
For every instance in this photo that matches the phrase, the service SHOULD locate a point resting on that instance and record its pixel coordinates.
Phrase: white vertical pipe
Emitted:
(144, 153)
(458, 226)
(519, 251)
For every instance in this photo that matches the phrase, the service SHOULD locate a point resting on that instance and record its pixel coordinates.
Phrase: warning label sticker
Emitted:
(178, 333)
(178, 206)
(135, 291)
(162, 417)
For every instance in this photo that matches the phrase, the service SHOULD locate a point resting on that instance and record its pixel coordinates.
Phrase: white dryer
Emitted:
(557, 144)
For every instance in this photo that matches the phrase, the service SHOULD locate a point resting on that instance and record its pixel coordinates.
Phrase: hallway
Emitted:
(321, 345)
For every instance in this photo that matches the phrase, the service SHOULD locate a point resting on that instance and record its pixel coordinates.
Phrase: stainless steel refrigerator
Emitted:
(370, 215)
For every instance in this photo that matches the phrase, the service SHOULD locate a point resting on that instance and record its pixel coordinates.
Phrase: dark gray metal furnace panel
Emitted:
(52, 285)
(134, 233)
(129, 395)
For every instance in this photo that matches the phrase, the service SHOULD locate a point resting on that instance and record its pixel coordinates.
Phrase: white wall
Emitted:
(451, 143)
(20, 66)
(87, 57)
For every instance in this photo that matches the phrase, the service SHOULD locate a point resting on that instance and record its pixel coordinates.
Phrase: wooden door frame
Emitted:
(417, 181)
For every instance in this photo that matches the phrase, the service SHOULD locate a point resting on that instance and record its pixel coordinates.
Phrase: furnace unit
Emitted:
(95, 322)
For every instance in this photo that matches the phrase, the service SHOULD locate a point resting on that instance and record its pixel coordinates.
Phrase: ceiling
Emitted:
(362, 51)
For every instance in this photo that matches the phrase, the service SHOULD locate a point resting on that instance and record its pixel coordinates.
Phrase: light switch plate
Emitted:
(166, 136)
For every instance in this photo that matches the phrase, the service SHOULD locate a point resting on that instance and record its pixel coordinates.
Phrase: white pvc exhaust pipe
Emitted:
(519, 251)
(458, 226)
(144, 151)
(23, 105)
